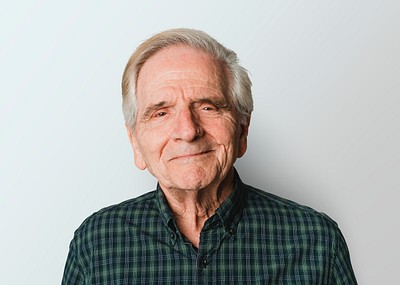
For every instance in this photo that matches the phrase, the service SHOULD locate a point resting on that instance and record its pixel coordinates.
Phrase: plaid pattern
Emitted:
(254, 238)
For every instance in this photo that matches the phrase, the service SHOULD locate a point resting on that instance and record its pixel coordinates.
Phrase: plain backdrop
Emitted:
(324, 133)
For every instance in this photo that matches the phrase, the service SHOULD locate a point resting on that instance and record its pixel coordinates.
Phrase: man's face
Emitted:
(187, 132)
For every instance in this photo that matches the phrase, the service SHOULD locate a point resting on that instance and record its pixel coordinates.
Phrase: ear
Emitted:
(137, 154)
(243, 138)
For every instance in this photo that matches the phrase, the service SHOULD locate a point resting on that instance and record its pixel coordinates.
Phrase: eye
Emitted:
(209, 108)
(159, 114)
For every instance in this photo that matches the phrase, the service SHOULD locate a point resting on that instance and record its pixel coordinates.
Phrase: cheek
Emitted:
(151, 144)
(226, 135)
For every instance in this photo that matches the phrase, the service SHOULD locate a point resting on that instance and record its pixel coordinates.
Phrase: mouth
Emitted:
(190, 155)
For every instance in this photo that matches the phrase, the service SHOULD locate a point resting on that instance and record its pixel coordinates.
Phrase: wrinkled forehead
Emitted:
(180, 63)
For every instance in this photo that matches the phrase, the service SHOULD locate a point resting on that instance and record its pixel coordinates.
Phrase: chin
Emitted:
(195, 178)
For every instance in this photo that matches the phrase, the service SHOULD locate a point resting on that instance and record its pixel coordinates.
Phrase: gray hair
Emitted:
(239, 89)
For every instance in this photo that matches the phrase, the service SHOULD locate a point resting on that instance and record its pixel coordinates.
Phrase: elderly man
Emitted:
(187, 105)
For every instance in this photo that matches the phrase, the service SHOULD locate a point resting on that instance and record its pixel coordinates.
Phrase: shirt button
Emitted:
(173, 238)
(231, 233)
(203, 262)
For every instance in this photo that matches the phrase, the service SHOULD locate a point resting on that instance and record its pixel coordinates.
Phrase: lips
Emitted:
(190, 155)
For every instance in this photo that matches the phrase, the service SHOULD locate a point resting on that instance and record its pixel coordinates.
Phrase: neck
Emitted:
(192, 208)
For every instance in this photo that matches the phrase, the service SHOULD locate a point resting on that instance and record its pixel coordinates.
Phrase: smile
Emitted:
(191, 155)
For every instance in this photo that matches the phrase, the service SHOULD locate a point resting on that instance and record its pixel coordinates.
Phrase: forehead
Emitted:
(179, 66)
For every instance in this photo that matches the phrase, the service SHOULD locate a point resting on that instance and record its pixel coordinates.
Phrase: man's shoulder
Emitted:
(262, 204)
(130, 212)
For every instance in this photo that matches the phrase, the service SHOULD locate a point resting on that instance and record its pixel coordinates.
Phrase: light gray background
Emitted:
(325, 130)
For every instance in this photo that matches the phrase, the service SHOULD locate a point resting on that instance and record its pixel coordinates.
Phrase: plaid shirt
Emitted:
(253, 238)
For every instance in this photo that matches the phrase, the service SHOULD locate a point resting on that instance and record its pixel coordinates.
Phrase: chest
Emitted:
(244, 257)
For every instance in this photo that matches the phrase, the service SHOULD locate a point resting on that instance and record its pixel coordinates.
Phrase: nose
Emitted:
(186, 126)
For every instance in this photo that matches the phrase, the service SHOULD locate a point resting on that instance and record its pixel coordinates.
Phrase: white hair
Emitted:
(239, 84)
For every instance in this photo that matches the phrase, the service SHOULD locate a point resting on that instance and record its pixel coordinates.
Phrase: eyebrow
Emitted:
(149, 110)
(222, 104)
(219, 103)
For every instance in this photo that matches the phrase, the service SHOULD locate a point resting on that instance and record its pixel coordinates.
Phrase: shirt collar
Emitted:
(163, 206)
(227, 215)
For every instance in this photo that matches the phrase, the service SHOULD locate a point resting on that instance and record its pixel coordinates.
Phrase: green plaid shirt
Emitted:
(253, 238)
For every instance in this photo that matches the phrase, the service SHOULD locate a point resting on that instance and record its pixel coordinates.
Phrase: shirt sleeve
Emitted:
(73, 273)
(342, 271)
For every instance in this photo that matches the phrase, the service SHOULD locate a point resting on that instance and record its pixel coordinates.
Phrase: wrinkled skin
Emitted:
(187, 132)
